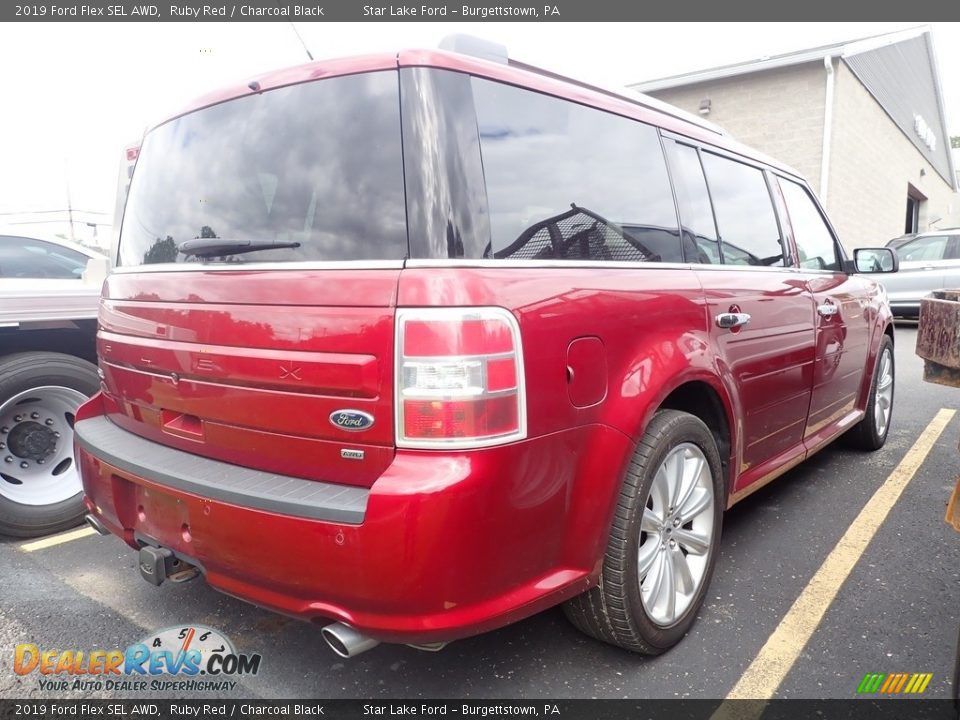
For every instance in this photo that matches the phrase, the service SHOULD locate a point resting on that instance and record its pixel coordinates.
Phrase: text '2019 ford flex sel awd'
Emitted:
(417, 345)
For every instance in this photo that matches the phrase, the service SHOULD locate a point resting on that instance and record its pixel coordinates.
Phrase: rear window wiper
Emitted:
(217, 247)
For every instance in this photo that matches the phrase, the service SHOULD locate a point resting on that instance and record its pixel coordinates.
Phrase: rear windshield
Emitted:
(317, 164)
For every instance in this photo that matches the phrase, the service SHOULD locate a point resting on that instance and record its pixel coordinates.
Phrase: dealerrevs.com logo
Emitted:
(183, 657)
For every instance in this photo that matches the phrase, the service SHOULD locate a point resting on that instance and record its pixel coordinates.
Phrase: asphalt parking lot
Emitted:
(898, 609)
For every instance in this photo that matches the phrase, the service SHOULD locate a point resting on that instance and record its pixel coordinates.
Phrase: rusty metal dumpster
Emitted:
(938, 343)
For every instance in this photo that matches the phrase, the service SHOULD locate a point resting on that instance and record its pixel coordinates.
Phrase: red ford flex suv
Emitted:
(416, 345)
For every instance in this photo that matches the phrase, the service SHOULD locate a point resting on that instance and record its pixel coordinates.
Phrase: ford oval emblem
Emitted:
(352, 420)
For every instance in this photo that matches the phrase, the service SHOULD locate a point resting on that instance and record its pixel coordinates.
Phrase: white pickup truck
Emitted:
(49, 291)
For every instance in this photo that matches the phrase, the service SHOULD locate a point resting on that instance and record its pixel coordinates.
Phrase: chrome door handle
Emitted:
(732, 320)
(827, 309)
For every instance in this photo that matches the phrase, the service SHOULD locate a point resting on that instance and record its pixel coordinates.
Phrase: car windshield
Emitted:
(315, 166)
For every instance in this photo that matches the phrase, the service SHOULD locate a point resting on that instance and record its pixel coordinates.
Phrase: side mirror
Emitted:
(875, 260)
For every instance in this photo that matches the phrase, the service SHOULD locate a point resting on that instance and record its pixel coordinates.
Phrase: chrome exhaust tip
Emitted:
(345, 641)
(94, 522)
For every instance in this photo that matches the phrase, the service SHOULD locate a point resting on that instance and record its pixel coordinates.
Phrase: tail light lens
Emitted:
(459, 378)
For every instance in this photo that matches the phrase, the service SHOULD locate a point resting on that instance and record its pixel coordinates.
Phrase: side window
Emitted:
(748, 228)
(924, 249)
(569, 182)
(698, 231)
(814, 239)
(28, 258)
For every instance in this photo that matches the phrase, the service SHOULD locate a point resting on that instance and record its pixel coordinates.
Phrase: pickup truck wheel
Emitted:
(40, 490)
(663, 542)
(871, 432)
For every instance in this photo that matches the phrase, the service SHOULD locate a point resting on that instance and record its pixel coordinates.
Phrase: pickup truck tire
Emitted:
(871, 432)
(663, 542)
(40, 491)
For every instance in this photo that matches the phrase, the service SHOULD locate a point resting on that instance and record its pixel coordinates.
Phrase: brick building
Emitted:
(862, 120)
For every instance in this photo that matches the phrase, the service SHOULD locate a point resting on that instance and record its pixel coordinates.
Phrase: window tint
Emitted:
(924, 249)
(697, 228)
(316, 163)
(569, 182)
(446, 195)
(28, 258)
(745, 217)
(811, 234)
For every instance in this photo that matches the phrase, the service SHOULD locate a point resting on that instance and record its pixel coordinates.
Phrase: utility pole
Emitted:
(66, 166)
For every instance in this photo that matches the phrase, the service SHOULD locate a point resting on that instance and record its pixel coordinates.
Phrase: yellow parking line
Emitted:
(778, 655)
(57, 539)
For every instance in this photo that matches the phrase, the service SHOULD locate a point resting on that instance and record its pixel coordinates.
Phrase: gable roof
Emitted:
(886, 65)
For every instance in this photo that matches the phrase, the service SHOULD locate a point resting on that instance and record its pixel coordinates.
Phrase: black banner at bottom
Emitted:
(853, 709)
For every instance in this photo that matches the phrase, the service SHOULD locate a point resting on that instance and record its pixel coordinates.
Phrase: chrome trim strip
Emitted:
(531, 264)
(574, 264)
(261, 266)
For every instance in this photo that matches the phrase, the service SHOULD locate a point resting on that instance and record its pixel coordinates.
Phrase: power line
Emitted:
(47, 212)
(43, 222)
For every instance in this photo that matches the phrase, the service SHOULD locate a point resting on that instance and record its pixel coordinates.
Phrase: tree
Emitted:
(161, 251)
(955, 141)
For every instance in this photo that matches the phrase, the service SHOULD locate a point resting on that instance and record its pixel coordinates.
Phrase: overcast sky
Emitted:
(75, 94)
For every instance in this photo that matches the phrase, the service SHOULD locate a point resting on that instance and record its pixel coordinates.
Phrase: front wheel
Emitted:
(871, 432)
(663, 543)
(40, 490)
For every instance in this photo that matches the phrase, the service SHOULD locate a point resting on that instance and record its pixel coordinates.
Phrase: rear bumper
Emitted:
(442, 546)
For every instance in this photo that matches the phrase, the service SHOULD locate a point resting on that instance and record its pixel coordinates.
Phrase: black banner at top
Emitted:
(469, 10)
(542, 709)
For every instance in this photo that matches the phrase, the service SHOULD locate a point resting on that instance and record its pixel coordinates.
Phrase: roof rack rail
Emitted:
(495, 52)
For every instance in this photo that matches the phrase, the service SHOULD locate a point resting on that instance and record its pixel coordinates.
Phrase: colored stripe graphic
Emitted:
(870, 683)
(894, 683)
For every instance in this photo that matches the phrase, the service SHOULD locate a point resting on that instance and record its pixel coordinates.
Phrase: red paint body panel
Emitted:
(245, 366)
(465, 542)
(263, 372)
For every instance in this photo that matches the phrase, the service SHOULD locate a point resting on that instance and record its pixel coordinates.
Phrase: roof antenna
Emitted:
(305, 48)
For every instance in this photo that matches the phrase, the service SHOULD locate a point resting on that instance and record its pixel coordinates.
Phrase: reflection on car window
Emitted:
(924, 249)
(317, 163)
(699, 232)
(814, 240)
(28, 258)
(569, 182)
(741, 201)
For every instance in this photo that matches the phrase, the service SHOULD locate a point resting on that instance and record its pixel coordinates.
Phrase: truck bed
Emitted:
(30, 301)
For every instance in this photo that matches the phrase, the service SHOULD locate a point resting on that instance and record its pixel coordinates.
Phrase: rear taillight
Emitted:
(459, 378)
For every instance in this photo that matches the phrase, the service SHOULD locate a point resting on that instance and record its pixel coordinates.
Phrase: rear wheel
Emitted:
(871, 432)
(40, 490)
(663, 543)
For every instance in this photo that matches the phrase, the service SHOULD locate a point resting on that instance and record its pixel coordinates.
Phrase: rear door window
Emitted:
(568, 182)
(701, 243)
(749, 233)
(317, 164)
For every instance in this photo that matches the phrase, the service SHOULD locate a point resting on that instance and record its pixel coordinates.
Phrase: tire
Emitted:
(617, 610)
(40, 491)
(871, 432)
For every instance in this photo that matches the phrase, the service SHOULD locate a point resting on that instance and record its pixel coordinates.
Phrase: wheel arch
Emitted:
(702, 400)
(871, 364)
